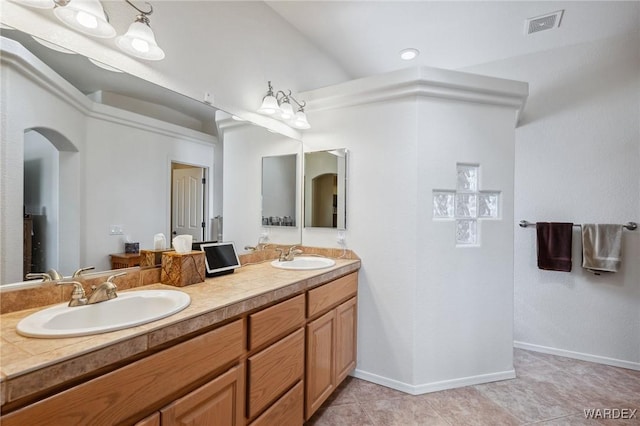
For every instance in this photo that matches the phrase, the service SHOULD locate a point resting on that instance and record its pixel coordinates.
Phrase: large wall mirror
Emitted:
(107, 144)
(325, 178)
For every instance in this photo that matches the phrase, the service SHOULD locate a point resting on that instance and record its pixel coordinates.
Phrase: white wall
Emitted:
(464, 295)
(578, 160)
(381, 226)
(431, 315)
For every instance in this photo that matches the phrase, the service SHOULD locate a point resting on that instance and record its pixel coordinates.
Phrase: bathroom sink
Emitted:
(127, 310)
(304, 263)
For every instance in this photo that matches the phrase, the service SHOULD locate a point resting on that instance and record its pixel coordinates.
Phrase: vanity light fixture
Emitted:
(279, 105)
(89, 17)
(139, 39)
(409, 54)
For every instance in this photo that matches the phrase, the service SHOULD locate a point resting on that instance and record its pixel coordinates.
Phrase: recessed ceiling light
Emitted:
(409, 54)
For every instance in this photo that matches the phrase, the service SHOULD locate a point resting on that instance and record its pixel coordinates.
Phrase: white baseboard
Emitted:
(434, 386)
(578, 355)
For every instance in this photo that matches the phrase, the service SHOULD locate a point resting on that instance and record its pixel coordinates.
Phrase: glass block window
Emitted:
(466, 232)
(466, 205)
(443, 204)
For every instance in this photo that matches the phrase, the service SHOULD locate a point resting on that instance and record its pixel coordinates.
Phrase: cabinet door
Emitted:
(152, 420)
(320, 377)
(217, 403)
(346, 322)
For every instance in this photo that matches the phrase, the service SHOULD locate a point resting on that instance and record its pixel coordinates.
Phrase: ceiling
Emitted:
(233, 47)
(365, 37)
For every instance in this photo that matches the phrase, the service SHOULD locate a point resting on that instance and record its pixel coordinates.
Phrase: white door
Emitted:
(188, 202)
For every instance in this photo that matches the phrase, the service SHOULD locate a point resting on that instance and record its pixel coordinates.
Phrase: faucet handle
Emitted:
(43, 275)
(78, 296)
(79, 272)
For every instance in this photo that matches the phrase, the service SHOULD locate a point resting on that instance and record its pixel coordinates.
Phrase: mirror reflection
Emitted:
(279, 182)
(100, 152)
(325, 189)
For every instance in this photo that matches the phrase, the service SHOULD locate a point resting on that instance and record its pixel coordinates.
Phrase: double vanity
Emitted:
(262, 346)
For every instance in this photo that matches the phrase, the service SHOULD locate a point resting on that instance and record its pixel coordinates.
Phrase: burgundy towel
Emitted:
(554, 246)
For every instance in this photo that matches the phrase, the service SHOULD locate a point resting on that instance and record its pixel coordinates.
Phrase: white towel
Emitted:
(601, 247)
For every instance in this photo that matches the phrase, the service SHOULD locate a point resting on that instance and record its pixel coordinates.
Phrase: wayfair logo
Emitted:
(610, 413)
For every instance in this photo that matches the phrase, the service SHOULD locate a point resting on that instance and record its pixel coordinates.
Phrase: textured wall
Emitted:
(578, 160)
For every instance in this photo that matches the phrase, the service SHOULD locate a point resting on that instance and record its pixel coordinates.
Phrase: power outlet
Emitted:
(116, 230)
(341, 238)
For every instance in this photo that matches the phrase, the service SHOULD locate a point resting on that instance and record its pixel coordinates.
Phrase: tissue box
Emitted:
(131, 247)
(182, 269)
(152, 257)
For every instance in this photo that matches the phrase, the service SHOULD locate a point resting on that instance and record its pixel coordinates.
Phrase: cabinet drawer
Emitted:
(329, 295)
(274, 370)
(287, 411)
(276, 321)
(143, 383)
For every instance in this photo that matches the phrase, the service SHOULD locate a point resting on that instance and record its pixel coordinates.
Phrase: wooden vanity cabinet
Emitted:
(331, 339)
(272, 366)
(130, 393)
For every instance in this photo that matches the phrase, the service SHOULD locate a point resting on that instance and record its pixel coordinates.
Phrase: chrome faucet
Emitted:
(105, 291)
(101, 293)
(290, 253)
(55, 275)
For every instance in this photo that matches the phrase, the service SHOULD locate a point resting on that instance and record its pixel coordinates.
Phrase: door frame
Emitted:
(205, 196)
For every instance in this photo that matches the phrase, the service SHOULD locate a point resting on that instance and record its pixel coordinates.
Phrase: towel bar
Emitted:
(631, 226)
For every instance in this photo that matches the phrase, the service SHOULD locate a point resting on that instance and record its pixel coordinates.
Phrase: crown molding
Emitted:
(420, 82)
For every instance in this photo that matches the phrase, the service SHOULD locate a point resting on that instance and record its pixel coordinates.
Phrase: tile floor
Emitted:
(548, 390)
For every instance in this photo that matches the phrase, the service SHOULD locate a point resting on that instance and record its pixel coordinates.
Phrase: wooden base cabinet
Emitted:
(345, 350)
(218, 403)
(331, 341)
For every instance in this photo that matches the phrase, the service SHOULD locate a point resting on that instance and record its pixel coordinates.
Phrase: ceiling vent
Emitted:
(545, 22)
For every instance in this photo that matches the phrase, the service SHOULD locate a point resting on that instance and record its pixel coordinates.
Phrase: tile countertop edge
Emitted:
(23, 380)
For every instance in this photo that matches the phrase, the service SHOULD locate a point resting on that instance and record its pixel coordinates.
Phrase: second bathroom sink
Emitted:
(303, 263)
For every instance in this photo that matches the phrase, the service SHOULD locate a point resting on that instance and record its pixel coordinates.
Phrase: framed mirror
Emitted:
(325, 189)
(279, 194)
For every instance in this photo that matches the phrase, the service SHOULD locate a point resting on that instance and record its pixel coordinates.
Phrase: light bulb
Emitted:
(140, 45)
(286, 111)
(86, 20)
